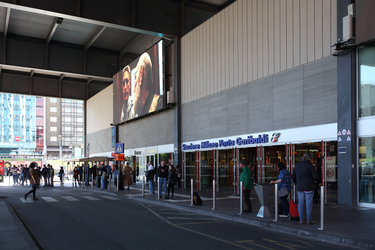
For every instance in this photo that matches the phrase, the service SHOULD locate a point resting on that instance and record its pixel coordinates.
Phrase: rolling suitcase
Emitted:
(293, 207)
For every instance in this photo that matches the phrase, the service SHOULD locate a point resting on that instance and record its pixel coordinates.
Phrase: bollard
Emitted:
(213, 195)
(92, 181)
(276, 202)
(83, 180)
(143, 186)
(322, 198)
(159, 194)
(118, 182)
(241, 198)
(191, 192)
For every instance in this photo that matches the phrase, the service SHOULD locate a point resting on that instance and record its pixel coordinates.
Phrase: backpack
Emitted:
(197, 199)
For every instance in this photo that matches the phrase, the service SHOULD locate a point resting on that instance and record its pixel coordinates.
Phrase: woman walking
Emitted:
(34, 181)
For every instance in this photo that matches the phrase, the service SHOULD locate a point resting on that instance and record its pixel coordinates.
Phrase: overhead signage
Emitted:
(260, 139)
(17, 138)
(119, 148)
(112, 154)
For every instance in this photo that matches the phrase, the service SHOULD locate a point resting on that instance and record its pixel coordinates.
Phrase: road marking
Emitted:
(70, 198)
(91, 198)
(110, 198)
(199, 223)
(252, 242)
(49, 199)
(29, 200)
(189, 218)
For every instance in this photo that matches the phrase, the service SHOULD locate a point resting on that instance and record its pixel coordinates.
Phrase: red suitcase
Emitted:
(293, 210)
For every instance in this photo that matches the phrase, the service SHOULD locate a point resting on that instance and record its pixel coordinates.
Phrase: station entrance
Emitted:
(222, 166)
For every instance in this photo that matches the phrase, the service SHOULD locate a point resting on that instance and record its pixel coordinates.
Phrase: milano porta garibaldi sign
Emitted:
(239, 141)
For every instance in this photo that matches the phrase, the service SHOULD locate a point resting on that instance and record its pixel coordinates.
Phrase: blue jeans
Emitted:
(163, 180)
(302, 196)
(284, 201)
(151, 186)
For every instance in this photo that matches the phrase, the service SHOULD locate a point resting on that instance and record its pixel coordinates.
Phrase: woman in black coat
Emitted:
(171, 180)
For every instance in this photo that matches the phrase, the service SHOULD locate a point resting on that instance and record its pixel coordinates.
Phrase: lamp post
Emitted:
(60, 142)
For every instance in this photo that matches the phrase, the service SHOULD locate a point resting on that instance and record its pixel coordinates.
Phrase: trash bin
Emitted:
(98, 184)
(264, 192)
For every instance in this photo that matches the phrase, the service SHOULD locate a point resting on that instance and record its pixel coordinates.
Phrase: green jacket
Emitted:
(246, 178)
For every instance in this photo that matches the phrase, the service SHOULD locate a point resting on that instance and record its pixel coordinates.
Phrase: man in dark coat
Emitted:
(304, 176)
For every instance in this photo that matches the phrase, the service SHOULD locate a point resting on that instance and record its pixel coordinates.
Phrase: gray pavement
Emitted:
(352, 227)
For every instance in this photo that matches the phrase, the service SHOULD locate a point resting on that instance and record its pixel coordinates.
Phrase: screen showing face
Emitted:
(138, 87)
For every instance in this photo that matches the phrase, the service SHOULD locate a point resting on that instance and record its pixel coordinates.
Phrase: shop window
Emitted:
(366, 89)
(366, 170)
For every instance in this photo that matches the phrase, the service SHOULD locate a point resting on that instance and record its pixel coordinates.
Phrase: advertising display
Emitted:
(138, 88)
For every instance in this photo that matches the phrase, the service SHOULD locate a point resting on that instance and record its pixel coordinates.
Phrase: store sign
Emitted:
(229, 143)
(17, 138)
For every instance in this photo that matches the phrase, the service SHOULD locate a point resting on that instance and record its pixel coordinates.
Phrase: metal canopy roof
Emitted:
(127, 42)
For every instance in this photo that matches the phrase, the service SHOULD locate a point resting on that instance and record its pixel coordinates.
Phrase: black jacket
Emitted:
(304, 176)
(163, 174)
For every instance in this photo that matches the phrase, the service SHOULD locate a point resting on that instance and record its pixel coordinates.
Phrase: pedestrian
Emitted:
(52, 174)
(162, 175)
(128, 175)
(25, 173)
(15, 172)
(284, 181)
(171, 180)
(247, 185)
(61, 175)
(103, 170)
(178, 177)
(44, 174)
(34, 181)
(94, 170)
(150, 177)
(137, 173)
(304, 176)
(75, 176)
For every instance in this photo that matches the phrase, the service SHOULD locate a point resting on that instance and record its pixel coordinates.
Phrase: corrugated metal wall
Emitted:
(252, 39)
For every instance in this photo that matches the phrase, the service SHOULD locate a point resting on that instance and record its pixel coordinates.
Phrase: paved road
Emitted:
(69, 219)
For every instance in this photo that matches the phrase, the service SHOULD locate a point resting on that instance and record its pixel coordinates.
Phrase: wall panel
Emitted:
(253, 39)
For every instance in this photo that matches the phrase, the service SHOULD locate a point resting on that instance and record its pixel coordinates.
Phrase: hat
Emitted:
(243, 162)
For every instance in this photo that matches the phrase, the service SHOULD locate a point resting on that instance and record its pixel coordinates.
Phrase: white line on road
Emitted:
(29, 200)
(70, 198)
(110, 198)
(49, 199)
(190, 218)
(91, 198)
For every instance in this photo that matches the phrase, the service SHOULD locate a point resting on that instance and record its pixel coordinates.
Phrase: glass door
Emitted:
(206, 170)
(189, 168)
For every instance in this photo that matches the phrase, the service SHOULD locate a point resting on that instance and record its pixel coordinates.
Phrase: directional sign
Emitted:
(119, 148)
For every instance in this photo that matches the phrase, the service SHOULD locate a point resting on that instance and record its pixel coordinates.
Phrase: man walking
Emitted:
(304, 176)
(247, 185)
(163, 174)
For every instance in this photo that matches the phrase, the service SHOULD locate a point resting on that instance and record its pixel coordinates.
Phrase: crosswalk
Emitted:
(70, 198)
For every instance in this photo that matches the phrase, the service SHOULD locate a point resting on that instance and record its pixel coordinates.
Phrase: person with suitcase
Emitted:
(304, 176)
(285, 183)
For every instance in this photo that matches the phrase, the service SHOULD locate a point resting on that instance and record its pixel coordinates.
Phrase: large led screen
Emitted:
(138, 87)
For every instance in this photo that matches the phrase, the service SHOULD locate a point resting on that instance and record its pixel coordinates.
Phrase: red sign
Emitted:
(113, 154)
(17, 138)
(1, 171)
(119, 157)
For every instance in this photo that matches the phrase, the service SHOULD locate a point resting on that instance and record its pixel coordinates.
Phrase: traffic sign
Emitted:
(119, 148)
(119, 157)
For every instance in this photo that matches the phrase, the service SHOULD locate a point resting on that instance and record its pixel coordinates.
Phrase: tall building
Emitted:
(18, 125)
(64, 128)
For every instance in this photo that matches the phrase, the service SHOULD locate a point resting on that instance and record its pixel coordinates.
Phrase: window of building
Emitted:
(79, 119)
(53, 129)
(54, 100)
(366, 168)
(53, 109)
(53, 138)
(366, 89)
(67, 129)
(53, 119)
(79, 129)
(68, 110)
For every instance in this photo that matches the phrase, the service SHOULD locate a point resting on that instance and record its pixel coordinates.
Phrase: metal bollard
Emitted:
(118, 182)
(143, 186)
(241, 197)
(92, 181)
(322, 198)
(276, 202)
(191, 192)
(213, 195)
(83, 180)
(159, 194)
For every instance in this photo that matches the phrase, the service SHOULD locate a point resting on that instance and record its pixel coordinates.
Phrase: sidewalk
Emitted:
(354, 227)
